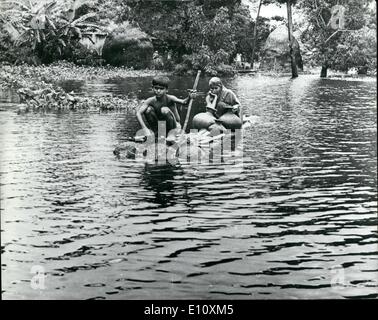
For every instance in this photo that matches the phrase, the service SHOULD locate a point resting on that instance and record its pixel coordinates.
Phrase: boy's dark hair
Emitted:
(160, 81)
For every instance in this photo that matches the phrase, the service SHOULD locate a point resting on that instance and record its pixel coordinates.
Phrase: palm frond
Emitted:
(43, 36)
(83, 18)
(14, 33)
(37, 35)
(52, 32)
(12, 12)
(50, 22)
(23, 38)
(89, 37)
(61, 41)
(90, 25)
(79, 3)
(78, 31)
(37, 8)
(18, 3)
(49, 6)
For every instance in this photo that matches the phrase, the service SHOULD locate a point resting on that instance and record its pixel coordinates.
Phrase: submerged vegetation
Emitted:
(63, 70)
(38, 89)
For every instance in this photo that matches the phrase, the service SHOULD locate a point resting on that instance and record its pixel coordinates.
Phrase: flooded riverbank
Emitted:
(299, 221)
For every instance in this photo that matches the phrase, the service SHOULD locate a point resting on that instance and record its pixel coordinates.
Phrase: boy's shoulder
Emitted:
(168, 99)
(227, 91)
(150, 99)
(171, 97)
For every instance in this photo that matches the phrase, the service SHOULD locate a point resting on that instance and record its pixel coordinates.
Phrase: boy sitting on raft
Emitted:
(161, 107)
(226, 99)
(222, 110)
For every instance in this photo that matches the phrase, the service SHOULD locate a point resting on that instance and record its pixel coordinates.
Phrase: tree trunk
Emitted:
(255, 33)
(323, 72)
(294, 70)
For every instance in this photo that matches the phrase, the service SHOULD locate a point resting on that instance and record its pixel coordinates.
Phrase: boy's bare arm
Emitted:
(141, 111)
(192, 95)
(180, 101)
(235, 103)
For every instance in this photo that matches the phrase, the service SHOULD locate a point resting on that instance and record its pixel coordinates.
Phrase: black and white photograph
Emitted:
(176, 150)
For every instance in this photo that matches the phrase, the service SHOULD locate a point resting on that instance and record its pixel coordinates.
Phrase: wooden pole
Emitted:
(294, 70)
(255, 33)
(191, 102)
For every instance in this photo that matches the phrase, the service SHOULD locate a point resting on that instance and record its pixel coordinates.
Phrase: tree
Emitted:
(203, 32)
(289, 4)
(209, 43)
(255, 32)
(333, 25)
(356, 49)
(249, 34)
(210, 7)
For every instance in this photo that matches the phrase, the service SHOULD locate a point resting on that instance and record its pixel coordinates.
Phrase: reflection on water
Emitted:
(158, 179)
(297, 220)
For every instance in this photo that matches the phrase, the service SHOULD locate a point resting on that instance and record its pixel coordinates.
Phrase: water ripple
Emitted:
(298, 214)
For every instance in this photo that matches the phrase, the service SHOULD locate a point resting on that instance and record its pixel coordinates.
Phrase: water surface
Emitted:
(298, 221)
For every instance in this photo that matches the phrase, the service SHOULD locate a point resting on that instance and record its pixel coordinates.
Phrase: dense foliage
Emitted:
(128, 46)
(47, 30)
(196, 34)
(187, 34)
(352, 46)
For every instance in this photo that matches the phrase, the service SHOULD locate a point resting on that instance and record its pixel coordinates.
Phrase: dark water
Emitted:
(296, 219)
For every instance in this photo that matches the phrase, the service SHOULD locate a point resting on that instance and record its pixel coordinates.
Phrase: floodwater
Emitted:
(296, 219)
